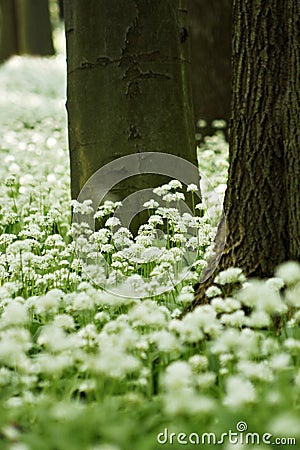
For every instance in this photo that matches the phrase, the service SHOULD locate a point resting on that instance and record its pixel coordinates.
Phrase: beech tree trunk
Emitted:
(8, 30)
(210, 29)
(34, 27)
(262, 202)
(128, 85)
(25, 28)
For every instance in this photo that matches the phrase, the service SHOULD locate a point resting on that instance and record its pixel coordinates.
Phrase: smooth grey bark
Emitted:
(128, 85)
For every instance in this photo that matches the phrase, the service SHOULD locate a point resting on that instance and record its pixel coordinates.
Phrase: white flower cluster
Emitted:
(84, 368)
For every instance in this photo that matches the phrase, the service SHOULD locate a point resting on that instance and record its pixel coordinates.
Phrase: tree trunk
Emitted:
(61, 9)
(25, 28)
(262, 202)
(8, 30)
(128, 85)
(210, 28)
(34, 27)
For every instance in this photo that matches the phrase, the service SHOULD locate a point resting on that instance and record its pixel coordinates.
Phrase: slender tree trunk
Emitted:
(262, 202)
(8, 30)
(34, 27)
(210, 28)
(61, 9)
(128, 86)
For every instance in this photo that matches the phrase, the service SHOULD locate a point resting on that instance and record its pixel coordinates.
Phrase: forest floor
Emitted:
(85, 368)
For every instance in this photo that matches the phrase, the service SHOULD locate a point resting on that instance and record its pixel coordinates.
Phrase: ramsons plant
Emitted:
(83, 368)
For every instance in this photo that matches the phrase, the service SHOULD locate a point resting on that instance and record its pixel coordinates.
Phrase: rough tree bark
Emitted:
(25, 28)
(128, 84)
(262, 202)
(210, 29)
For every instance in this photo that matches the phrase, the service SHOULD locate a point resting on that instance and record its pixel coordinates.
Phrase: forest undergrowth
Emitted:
(85, 368)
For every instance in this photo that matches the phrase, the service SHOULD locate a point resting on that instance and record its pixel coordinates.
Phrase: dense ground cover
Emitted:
(82, 368)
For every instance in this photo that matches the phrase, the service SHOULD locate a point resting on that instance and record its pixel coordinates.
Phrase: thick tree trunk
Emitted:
(210, 28)
(8, 30)
(262, 202)
(34, 27)
(128, 89)
(25, 28)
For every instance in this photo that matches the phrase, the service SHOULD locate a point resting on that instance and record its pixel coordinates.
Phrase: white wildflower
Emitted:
(88, 336)
(198, 363)
(19, 446)
(205, 380)
(280, 361)
(149, 314)
(151, 204)
(275, 283)
(213, 291)
(201, 123)
(155, 220)
(219, 123)
(114, 363)
(14, 343)
(188, 329)
(229, 276)
(165, 341)
(239, 392)
(245, 343)
(235, 319)
(293, 345)
(83, 301)
(49, 303)
(297, 378)
(161, 190)
(178, 375)
(269, 346)
(112, 222)
(175, 184)
(255, 371)
(102, 317)
(258, 294)
(292, 295)
(53, 364)
(55, 339)
(64, 321)
(176, 313)
(227, 305)
(187, 401)
(192, 188)
(100, 237)
(284, 424)
(200, 206)
(170, 197)
(186, 295)
(206, 317)
(289, 272)
(15, 313)
(82, 208)
(10, 181)
(258, 319)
